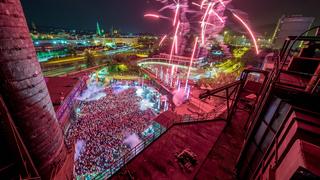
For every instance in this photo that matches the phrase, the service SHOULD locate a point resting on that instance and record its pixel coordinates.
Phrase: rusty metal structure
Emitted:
(282, 140)
(247, 90)
(282, 136)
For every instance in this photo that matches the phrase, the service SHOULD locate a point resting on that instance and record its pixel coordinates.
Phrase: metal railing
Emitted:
(302, 83)
(117, 165)
(281, 65)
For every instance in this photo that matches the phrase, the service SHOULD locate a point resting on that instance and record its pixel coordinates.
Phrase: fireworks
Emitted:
(162, 40)
(217, 15)
(196, 4)
(249, 30)
(191, 61)
(176, 14)
(212, 21)
(222, 3)
(206, 20)
(202, 4)
(175, 40)
(152, 15)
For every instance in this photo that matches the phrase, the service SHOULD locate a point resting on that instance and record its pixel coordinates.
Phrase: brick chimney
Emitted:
(25, 92)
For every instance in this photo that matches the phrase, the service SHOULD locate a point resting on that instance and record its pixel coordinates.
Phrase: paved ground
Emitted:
(221, 161)
(217, 155)
(159, 162)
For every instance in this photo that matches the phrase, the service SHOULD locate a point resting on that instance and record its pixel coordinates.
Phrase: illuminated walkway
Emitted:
(165, 62)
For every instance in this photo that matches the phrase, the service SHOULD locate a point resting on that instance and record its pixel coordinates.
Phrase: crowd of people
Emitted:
(103, 126)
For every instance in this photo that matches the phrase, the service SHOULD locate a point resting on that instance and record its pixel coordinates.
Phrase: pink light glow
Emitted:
(191, 61)
(176, 45)
(162, 39)
(196, 4)
(176, 36)
(203, 24)
(152, 15)
(203, 33)
(216, 14)
(207, 23)
(222, 3)
(172, 49)
(250, 32)
(206, 13)
(172, 74)
(202, 4)
(176, 14)
(174, 40)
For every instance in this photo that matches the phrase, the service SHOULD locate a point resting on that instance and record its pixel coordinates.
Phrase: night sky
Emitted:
(128, 14)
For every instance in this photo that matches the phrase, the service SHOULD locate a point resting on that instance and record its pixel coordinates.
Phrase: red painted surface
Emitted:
(158, 161)
(59, 87)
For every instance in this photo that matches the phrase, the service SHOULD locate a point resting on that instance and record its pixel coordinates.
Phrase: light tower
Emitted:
(99, 33)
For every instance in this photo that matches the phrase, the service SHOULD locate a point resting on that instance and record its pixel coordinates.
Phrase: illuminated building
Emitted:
(99, 31)
(290, 26)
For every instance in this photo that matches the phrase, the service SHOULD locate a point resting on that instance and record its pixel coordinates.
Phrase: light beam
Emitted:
(249, 30)
(222, 3)
(162, 39)
(191, 61)
(176, 14)
(152, 15)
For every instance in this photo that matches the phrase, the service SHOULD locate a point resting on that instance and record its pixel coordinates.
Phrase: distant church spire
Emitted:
(99, 33)
(33, 27)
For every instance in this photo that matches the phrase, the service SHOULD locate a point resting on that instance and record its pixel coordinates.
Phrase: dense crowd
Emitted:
(103, 125)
